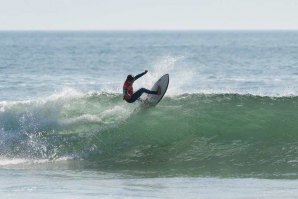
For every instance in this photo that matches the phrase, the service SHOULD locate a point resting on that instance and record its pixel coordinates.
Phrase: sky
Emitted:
(148, 14)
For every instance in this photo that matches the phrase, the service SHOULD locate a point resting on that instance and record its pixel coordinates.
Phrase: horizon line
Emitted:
(138, 30)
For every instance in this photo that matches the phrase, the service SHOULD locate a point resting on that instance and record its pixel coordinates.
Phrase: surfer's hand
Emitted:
(146, 71)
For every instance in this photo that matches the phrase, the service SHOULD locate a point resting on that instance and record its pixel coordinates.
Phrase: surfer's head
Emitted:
(130, 78)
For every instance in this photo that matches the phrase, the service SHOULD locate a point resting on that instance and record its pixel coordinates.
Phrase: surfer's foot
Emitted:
(158, 90)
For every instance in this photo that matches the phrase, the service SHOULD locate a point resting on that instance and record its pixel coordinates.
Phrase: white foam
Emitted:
(5, 162)
(23, 161)
(65, 94)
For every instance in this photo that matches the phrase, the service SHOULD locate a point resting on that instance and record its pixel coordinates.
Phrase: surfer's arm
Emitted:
(140, 75)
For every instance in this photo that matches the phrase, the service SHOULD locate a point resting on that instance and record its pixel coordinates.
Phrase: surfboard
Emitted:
(152, 100)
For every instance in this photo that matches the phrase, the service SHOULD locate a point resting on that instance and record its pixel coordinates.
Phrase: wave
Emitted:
(188, 134)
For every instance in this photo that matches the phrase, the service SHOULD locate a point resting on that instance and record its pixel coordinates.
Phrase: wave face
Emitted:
(190, 134)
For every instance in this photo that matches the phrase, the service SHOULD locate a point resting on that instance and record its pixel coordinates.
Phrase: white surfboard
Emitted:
(152, 100)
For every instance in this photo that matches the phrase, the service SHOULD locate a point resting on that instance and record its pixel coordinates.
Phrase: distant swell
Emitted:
(190, 134)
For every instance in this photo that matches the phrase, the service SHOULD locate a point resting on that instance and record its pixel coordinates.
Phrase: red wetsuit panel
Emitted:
(127, 90)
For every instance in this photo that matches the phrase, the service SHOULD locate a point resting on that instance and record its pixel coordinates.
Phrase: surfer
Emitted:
(129, 95)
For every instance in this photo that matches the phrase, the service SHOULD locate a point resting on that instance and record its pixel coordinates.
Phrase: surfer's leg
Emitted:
(138, 94)
(148, 91)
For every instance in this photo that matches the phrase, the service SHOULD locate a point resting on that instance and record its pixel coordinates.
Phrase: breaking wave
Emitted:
(189, 134)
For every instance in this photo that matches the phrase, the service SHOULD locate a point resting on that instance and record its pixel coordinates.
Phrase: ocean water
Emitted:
(226, 128)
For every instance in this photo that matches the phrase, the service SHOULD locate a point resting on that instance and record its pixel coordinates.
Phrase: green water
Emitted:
(192, 134)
